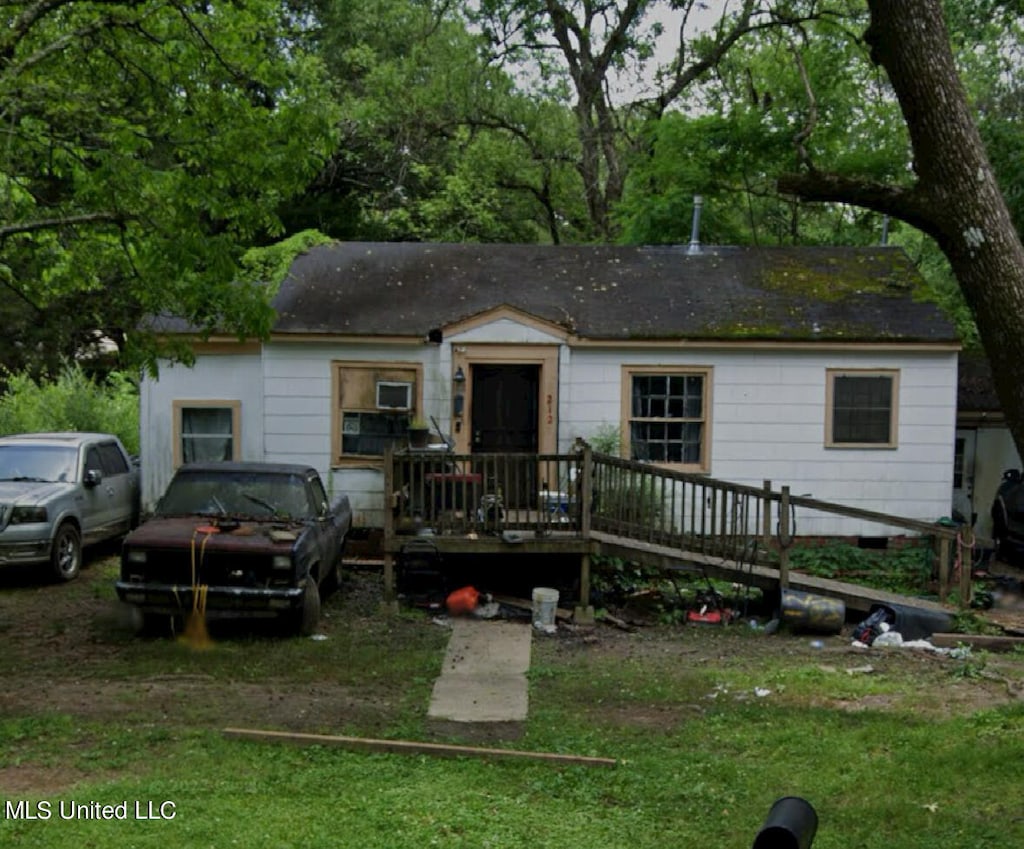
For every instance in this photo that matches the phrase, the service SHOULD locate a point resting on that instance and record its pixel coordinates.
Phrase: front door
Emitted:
(504, 419)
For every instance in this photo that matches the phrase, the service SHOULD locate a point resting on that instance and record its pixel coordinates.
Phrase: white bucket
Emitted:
(545, 607)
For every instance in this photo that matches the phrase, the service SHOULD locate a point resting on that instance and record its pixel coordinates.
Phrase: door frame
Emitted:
(545, 356)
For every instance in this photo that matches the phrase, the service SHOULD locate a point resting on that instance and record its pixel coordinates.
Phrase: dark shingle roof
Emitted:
(613, 292)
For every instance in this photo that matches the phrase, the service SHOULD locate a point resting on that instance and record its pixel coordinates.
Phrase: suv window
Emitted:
(113, 462)
(92, 460)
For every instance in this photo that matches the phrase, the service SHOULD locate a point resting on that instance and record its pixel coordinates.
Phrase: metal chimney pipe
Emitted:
(885, 229)
(698, 203)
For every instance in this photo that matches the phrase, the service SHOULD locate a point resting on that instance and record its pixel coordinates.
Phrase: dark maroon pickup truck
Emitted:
(242, 539)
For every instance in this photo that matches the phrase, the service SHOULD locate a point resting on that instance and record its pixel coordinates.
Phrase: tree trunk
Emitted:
(956, 198)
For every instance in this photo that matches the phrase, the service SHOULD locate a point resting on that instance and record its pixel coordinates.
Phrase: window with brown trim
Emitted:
(862, 408)
(667, 417)
(375, 403)
(207, 430)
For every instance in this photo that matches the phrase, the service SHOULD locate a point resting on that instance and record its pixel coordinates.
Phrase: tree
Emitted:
(762, 116)
(145, 145)
(587, 53)
(954, 196)
(435, 142)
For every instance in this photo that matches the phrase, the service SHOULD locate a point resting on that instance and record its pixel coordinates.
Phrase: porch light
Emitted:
(460, 376)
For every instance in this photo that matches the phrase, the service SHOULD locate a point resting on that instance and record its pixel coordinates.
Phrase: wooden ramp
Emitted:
(854, 596)
(584, 503)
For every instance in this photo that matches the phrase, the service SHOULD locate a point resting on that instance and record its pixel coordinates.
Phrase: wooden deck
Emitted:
(583, 504)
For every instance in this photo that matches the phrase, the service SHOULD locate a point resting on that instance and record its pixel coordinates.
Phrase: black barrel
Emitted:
(791, 824)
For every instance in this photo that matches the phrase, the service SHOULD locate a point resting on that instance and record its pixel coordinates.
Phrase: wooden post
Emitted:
(390, 601)
(944, 568)
(584, 612)
(966, 563)
(784, 539)
(766, 516)
(587, 490)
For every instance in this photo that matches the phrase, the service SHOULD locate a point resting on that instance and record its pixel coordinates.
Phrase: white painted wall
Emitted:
(768, 422)
(214, 376)
(767, 419)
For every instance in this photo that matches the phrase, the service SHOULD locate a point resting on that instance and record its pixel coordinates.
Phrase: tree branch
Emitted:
(909, 204)
(64, 221)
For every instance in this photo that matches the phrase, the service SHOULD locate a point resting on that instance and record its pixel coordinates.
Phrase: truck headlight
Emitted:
(22, 515)
(136, 556)
(281, 562)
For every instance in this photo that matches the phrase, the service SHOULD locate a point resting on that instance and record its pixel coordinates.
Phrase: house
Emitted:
(984, 448)
(818, 368)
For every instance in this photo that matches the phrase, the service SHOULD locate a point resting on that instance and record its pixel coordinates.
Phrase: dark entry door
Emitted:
(504, 419)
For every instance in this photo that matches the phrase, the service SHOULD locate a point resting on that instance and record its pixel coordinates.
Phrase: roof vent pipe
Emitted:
(885, 230)
(698, 203)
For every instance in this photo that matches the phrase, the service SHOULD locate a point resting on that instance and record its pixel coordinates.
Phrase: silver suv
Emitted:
(61, 491)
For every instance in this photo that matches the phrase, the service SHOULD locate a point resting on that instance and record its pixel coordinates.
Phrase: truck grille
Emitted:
(215, 569)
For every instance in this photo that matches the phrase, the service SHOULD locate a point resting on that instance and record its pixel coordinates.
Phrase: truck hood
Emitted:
(235, 535)
(31, 492)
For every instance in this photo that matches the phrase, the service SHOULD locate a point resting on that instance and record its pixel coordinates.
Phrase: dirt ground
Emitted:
(71, 650)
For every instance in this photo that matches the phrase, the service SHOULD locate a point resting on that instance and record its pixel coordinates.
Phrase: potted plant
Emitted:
(419, 433)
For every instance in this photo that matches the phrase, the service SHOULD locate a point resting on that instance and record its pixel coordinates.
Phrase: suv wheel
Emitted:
(66, 553)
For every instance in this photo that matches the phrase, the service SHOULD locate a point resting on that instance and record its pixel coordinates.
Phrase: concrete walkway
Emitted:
(484, 674)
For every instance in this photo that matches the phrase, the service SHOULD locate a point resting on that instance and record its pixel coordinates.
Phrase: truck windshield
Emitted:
(37, 463)
(259, 496)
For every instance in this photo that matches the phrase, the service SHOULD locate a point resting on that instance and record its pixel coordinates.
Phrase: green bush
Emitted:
(906, 569)
(72, 401)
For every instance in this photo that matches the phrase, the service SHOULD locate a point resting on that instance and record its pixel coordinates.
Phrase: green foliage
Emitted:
(607, 439)
(270, 264)
(72, 401)
(907, 569)
(147, 146)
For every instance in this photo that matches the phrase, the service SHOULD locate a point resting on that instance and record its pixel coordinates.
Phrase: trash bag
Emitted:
(868, 630)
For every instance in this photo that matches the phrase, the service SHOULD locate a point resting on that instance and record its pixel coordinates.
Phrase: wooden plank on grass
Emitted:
(409, 747)
(977, 641)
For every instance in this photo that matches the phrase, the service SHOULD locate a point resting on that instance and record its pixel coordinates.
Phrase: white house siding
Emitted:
(768, 423)
(223, 377)
(767, 417)
(298, 415)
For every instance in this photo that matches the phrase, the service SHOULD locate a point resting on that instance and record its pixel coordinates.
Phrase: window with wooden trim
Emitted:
(207, 431)
(374, 404)
(862, 408)
(667, 417)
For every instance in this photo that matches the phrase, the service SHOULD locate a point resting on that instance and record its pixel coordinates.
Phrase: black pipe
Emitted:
(791, 824)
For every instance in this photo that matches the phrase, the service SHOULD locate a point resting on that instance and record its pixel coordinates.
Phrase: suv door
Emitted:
(117, 481)
(94, 500)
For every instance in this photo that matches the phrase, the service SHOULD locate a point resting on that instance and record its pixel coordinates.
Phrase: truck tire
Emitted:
(308, 616)
(66, 553)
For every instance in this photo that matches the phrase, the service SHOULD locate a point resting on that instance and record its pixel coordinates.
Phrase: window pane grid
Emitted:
(667, 418)
(862, 409)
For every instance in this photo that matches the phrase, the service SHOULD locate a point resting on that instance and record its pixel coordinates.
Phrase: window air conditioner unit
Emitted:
(392, 395)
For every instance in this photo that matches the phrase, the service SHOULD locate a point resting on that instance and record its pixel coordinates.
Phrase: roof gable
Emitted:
(505, 313)
(609, 292)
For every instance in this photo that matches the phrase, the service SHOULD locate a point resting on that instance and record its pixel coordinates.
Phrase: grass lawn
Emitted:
(896, 749)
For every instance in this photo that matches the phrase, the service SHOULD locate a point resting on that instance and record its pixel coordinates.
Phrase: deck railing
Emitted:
(582, 492)
(466, 494)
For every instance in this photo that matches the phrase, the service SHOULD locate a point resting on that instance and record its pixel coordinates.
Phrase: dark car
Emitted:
(1008, 515)
(243, 539)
